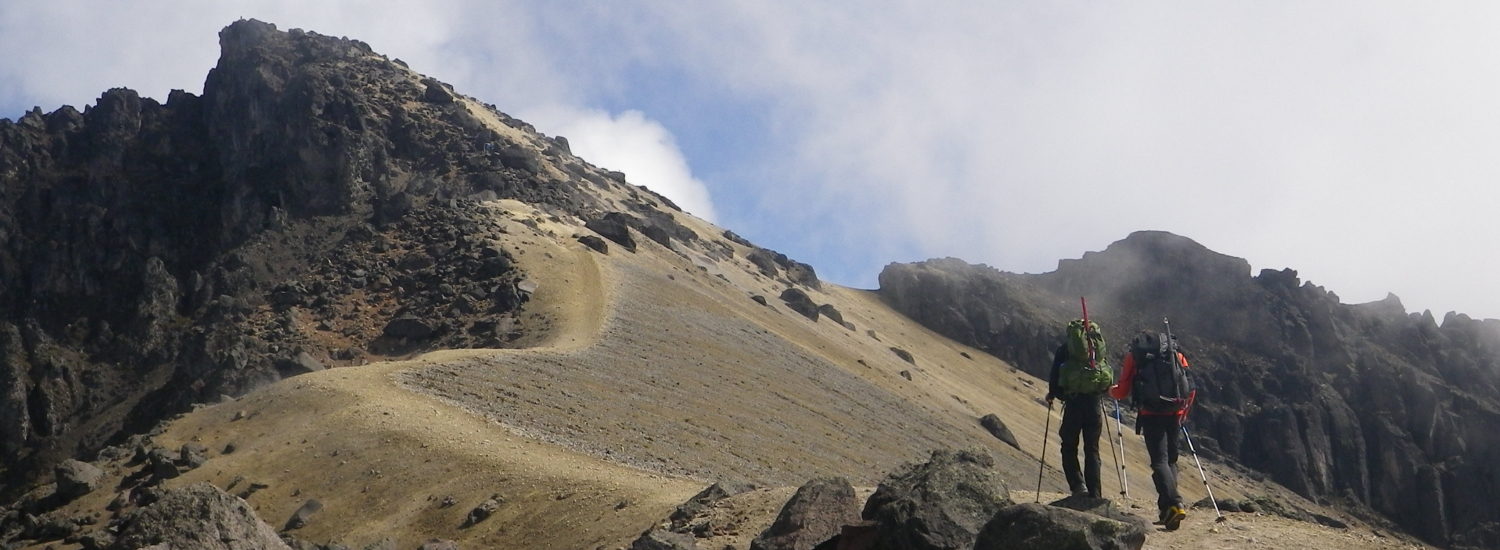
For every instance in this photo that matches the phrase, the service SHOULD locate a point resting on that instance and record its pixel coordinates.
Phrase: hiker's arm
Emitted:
(1121, 389)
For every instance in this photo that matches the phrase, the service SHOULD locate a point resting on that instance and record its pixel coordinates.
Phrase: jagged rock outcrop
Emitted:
(154, 255)
(1363, 405)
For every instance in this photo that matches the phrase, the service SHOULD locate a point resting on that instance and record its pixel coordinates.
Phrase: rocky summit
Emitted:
(333, 303)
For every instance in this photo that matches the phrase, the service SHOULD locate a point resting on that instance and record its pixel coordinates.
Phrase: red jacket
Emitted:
(1121, 390)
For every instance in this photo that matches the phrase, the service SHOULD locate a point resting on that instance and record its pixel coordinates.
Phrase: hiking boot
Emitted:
(1172, 518)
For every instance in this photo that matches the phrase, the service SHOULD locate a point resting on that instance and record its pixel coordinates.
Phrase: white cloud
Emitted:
(631, 143)
(1352, 141)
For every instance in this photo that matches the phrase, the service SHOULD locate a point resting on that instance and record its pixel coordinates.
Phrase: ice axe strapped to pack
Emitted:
(1085, 372)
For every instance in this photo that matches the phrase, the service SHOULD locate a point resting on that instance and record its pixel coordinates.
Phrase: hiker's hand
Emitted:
(1049, 398)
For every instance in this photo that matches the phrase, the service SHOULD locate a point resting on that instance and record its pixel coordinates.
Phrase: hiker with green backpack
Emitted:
(1080, 377)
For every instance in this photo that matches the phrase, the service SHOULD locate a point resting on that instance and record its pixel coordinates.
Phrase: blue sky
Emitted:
(1353, 141)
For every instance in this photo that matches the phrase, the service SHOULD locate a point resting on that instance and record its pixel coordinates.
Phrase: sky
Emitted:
(1354, 141)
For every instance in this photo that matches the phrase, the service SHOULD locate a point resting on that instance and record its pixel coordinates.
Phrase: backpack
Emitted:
(1078, 375)
(1161, 384)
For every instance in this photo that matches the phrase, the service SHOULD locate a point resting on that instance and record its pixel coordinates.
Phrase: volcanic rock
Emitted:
(615, 227)
(662, 539)
(800, 302)
(816, 513)
(75, 479)
(304, 512)
(997, 428)
(198, 516)
(1039, 527)
(939, 504)
(1101, 507)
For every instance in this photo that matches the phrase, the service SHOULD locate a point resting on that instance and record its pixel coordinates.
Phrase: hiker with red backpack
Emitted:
(1155, 375)
(1080, 377)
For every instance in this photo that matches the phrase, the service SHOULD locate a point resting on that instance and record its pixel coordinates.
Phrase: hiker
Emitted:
(1162, 393)
(1080, 379)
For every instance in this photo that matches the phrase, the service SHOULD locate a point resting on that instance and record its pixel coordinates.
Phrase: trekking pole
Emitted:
(1124, 476)
(1119, 469)
(1047, 430)
(1203, 475)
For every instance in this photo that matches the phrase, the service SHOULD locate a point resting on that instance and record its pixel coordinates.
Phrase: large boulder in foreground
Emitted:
(938, 505)
(815, 514)
(1042, 527)
(199, 516)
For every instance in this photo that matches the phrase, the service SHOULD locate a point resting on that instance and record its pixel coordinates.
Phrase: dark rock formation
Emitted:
(773, 264)
(1040, 527)
(595, 243)
(815, 514)
(615, 227)
(198, 516)
(75, 479)
(662, 539)
(827, 310)
(1363, 405)
(224, 241)
(940, 504)
(997, 428)
(800, 302)
(1102, 507)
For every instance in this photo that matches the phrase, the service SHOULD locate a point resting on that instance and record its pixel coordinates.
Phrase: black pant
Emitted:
(1081, 416)
(1160, 432)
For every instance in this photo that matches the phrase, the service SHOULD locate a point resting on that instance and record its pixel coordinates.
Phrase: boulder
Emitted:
(305, 512)
(408, 326)
(615, 227)
(827, 310)
(199, 516)
(939, 504)
(763, 259)
(192, 455)
(800, 302)
(816, 513)
(997, 428)
(904, 355)
(1041, 527)
(662, 539)
(1103, 508)
(76, 478)
(595, 243)
(484, 510)
(436, 92)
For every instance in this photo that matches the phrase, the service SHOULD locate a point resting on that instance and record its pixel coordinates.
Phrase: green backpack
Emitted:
(1078, 375)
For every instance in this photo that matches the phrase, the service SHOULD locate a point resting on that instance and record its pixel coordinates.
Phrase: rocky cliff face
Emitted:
(315, 207)
(1366, 405)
